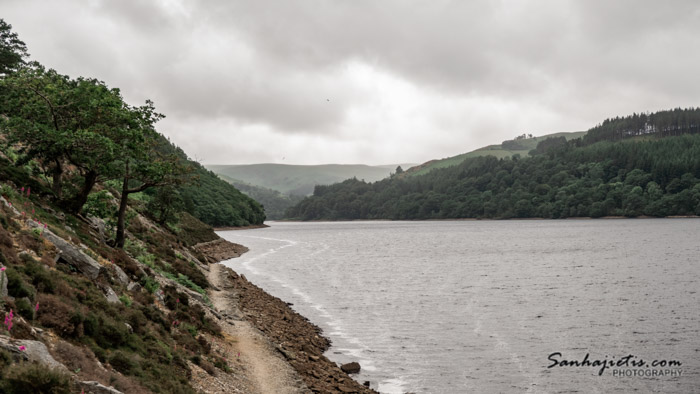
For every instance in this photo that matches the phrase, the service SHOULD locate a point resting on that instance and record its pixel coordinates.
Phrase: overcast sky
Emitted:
(374, 82)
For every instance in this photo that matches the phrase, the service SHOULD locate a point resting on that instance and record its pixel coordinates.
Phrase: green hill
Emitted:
(274, 202)
(519, 146)
(635, 166)
(300, 179)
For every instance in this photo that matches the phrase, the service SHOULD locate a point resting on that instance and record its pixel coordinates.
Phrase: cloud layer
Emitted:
(309, 82)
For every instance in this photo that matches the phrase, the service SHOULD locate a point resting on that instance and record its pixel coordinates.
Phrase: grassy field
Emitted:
(490, 150)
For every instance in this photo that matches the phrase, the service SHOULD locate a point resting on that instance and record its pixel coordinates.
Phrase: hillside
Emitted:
(274, 202)
(106, 277)
(655, 176)
(519, 146)
(300, 179)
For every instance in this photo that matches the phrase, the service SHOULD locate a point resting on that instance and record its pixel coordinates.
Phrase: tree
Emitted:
(144, 165)
(13, 51)
(37, 105)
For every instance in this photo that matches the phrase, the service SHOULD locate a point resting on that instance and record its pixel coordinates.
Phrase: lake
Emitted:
(494, 306)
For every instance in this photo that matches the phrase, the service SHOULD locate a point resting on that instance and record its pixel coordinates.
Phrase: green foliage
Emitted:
(661, 124)
(632, 178)
(126, 300)
(101, 205)
(275, 202)
(26, 377)
(13, 51)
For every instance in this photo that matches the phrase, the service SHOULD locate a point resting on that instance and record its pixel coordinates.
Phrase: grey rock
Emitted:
(112, 297)
(128, 327)
(98, 225)
(11, 207)
(134, 286)
(33, 351)
(71, 254)
(92, 387)
(120, 275)
(3, 284)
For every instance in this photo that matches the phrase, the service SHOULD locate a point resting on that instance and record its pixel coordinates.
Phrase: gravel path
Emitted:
(264, 369)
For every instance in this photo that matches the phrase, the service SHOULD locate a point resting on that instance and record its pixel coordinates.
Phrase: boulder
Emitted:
(112, 297)
(33, 351)
(98, 225)
(3, 284)
(353, 367)
(92, 387)
(120, 275)
(134, 286)
(8, 205)
(70, 254)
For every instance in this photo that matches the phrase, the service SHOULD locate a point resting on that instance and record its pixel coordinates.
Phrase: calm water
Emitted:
(478, 306)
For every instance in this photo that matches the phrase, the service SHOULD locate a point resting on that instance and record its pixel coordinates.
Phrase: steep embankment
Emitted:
(155, 317)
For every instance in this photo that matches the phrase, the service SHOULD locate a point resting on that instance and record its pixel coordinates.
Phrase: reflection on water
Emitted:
(478, 306)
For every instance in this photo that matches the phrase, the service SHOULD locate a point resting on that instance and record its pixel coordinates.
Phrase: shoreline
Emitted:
(297, 341)
(250, 227)
(479, 219)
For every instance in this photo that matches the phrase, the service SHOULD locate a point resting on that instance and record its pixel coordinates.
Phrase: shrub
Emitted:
(16, 286)
(124, 363)
(35, 378)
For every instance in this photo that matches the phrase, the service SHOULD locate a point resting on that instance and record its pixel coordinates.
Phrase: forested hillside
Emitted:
(653, 176)
(299, 179)
(276, 203)
(78, 134)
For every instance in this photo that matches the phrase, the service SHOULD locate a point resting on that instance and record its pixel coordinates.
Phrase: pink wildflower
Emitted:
(22, 348)
(8, 320)
(22, 189)
(3, 269)
(36, 308)
(29, 191)
(177, 300)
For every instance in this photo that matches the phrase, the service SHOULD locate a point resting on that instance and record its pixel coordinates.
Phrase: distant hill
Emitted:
(298, 179)
(520, 146)
(637, 165)
(274, 202)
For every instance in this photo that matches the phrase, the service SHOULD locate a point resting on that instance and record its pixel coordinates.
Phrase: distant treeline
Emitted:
(655, 177)
(662, 124)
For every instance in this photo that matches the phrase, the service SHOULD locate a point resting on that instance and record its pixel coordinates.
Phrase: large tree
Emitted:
(144, 164)
(13, 51)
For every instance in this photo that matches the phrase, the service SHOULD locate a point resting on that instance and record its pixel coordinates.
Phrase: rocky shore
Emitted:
(296, 339)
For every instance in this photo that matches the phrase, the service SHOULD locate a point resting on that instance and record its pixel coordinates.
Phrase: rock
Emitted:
(128, 327)
(112, 297)
(134, 286)
(98, 225)
(70, 254)
(366, 383)
(120, 275)
(289, 355)
(3, 285)
(92, 387)
(353, 367)
(33, 351)
(11, 207)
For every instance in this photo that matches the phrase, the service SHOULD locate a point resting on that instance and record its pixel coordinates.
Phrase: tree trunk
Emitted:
(76, 204)
(57, 186)
(119, 241)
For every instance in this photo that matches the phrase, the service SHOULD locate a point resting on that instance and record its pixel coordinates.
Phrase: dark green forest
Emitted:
(614, 171)
(79, 135)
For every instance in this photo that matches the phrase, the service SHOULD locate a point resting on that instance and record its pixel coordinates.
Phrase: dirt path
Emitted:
(266, 372)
